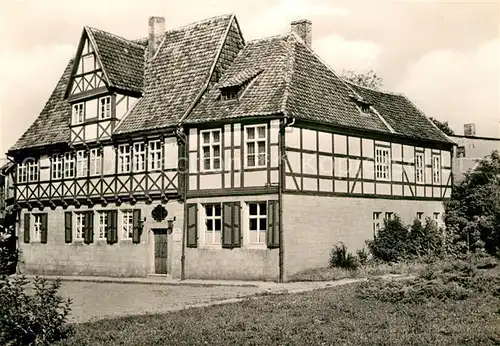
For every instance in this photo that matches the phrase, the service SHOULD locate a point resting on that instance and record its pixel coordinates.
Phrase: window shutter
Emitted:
(136, 233)
(27, 227)
(68, 227)
(236, 225)
(273, 225)
(89, 227)
(112, 231)
(227, 225)
(192, 225)
(43, 235)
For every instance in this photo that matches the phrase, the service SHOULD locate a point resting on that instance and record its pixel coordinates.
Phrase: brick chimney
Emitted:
(470, 129)
(303, 28)
(156, 34)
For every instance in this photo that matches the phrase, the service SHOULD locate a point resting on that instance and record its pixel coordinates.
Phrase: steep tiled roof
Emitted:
(52, 125)
(239, 78)
(177, 74)
(123, 60)
(401, 114)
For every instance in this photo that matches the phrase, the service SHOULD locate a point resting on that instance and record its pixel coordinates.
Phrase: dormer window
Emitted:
(78, 113)
(233, 86)
(105, 107)
(230, 93)
(364, 108)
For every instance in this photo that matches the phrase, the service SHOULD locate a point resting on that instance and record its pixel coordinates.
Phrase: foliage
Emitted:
(473, 212)
(368, 79)
(397, 241)
(341, 258)
(38, 318)
(443, 126)
(8, 252)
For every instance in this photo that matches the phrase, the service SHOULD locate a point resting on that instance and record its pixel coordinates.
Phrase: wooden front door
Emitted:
(161, 246)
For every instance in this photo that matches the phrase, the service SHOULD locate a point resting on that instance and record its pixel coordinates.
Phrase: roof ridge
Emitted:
(115, 36)
(372, 89)
(187, 26)
(255, 40)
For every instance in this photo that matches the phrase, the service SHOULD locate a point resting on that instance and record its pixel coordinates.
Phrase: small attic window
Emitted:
(230, 93)
(364, 107)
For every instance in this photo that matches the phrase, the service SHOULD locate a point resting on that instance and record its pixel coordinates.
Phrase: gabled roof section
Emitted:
(177, 74)
(239, 78)
(401, 114)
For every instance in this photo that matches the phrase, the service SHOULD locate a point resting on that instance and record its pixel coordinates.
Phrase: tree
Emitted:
(473, 212)
(368, 79)
(443, 126)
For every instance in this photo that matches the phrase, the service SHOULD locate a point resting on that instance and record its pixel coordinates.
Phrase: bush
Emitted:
(341, 258)
(38, 318)
(9, 254)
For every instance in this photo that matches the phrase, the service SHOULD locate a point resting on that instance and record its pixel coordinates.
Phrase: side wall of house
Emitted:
(312, 225)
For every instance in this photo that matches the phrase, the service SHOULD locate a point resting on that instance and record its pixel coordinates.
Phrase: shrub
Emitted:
(363, 256)
(38, 318)
(8, 252)
(340, 257)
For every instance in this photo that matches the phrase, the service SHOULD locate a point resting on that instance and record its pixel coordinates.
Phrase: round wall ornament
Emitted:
(159, 213)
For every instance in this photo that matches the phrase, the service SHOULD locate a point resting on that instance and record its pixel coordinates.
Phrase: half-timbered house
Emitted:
(195, 154)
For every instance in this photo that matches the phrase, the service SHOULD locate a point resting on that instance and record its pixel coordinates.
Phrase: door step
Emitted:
(159, 276)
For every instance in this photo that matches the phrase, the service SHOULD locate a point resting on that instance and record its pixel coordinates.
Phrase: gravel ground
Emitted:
(96, 300)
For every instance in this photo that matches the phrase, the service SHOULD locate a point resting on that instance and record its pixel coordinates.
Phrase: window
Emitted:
(95, 161)
(81, 164)
(37, 227)
(419, 167)
(213, 223)
(123, 158)
(436, 216)
(57, 166)
(230, 93)
(255, 139)
(139, 157)
(460, 152)
(27, 171)
(103, 225)
(389, 216)
(382, 163)
(80, 226)
(436, 169)
(155, 155)
(420, 216)
(211, 149)
(78, 113)
(257, 217)
(105, 107)
(127, 224)
(22, 173)
(69, 165)
(376, 222)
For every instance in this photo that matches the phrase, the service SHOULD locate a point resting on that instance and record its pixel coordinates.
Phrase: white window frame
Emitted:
(212, 159)
(57, 166)
(260, 234)
(382, 163)
(376, 221)
(102, 227)
(124, 158)
(139, 157)
(105, 107)
(389, 215)
(127, 224)
(155, 162)
(254, 143)
(79, 226)
(420, 167)
(214, 236)
(95, 161)
(78, 113)
(436, 169)
(37, 228)
(420, 215)
(81, 164)
(22, 172)
(69, 165)
(436, 216)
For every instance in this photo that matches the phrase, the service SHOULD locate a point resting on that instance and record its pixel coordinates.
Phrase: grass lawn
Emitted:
(335, 316)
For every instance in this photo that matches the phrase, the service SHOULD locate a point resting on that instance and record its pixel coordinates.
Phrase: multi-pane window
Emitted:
(420, 215)
(69, 165)
(213, 223)
(81, 164)
(382, 158)
(155, 155)
(124, 158)
(102, 231)
(257, 219)
(436, 169)
(27, 171)
(255, 139)
(389, 215)
(79, 226)
(105, 107)
(419, 167)
(211, 147)
(37, 227)
(57, 166)
(95, 161)
(460, 152)
(436, 216)
(139, 157)
(376, 222)
(127, 224)
(78, 113)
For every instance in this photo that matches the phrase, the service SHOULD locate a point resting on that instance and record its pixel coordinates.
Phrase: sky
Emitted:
(444, 55)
